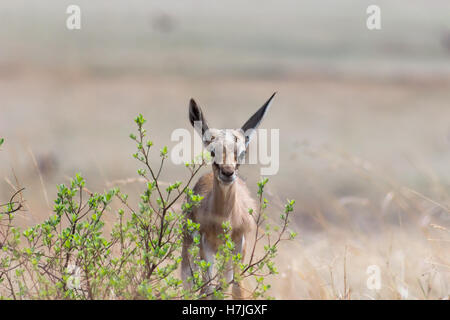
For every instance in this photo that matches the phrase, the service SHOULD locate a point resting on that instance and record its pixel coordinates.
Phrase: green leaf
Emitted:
(140, 120)
(163, 152)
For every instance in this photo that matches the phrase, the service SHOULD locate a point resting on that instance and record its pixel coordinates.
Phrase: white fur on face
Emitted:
(227, 145)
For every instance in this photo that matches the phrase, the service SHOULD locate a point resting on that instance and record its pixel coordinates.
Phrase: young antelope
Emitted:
(225, 195)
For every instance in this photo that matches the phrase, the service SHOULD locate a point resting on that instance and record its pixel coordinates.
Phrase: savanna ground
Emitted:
(366, 157)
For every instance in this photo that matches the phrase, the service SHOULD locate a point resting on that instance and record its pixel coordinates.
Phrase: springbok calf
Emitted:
(225, 195)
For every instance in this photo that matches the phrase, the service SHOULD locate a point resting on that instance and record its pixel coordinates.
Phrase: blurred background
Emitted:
(364, 119)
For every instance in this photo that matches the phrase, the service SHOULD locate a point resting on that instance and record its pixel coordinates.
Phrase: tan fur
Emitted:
(219, 205)
(222, 204)
(225, 196)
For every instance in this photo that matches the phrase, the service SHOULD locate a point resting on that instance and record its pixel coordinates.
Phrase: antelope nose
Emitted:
(227, 171)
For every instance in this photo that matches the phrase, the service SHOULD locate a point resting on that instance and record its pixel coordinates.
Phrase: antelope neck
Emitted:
(224, 197)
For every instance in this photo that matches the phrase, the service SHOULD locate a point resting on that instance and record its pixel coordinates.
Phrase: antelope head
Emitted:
(227, 147)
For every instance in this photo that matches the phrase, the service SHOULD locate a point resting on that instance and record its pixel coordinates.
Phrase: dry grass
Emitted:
(367, 162)
(364, 119)
(405, 234)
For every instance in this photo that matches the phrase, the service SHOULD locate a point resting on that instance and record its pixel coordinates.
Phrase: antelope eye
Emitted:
(213, 154)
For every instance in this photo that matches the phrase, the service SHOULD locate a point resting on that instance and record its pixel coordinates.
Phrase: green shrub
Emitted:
(71, 256)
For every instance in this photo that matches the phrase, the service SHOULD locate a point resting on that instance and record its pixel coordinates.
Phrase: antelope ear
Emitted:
(254, 121)
(197, 118)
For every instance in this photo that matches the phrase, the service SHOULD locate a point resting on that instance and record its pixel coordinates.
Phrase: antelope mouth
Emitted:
(227, 179)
